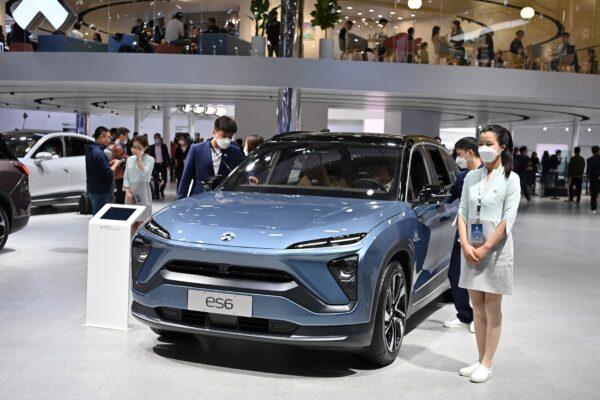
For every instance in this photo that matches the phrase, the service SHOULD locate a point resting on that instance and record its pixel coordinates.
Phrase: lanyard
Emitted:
(482, 192)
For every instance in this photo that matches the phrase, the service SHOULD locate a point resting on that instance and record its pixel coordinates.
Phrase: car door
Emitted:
(49, 177)
(76, 149)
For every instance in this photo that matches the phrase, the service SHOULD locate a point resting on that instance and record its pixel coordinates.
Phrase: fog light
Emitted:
(140, 249)
(345, 272)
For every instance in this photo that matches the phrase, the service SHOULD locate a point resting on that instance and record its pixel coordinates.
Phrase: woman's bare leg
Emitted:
(493, 312)
(480, 319)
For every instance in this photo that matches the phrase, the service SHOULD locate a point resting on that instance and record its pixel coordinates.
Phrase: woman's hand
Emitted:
(470, 254)
(129, 197)
(482, 252)
(136, 152)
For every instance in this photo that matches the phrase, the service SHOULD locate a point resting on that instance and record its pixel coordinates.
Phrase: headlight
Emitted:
(330, 242)
(155, 228)
(140, 249)
(345, 272)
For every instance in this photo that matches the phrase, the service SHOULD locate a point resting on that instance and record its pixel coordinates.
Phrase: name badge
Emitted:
(477, 238)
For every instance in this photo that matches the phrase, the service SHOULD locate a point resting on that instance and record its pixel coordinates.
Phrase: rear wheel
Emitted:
(4, 227)
(390, 317)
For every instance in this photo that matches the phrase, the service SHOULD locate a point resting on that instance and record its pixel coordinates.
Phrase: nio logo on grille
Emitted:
(227, 236)
(29, 14)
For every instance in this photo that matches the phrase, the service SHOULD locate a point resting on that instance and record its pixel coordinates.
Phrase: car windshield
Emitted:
(20, 143)
(336, 168)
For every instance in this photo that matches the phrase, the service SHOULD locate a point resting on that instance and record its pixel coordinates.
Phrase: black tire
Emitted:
(172, 335)
(389, 329)
(4, 227)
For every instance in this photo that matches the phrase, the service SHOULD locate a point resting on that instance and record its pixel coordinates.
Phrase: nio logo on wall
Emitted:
(29, 14)
(227, 236)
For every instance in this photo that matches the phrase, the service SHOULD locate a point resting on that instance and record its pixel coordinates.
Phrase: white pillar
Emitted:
(192, 125)
(246, 25)
(314, 117)
(167, 125)
(426, 123)
(137, 119)
(256, 118)
(575, 135)
(392, 122)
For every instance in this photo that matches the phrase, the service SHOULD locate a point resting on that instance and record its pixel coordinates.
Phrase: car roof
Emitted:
(42, 132)
(353, 136)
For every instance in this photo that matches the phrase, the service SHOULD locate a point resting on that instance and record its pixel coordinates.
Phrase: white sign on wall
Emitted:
(29, 14)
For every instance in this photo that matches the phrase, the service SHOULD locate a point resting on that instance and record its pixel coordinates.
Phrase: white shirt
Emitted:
(174, 31)
(158, 153)
(74, 33)
(216, 159)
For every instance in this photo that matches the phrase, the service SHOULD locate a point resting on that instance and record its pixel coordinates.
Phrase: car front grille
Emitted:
(229, 271)
(204, 320)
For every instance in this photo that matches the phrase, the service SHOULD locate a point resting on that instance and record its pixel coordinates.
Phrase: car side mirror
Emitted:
(211, 184)
(43, 156)
(433, 194)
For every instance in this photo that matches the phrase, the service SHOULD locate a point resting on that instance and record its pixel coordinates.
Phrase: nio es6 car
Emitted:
(329, 240)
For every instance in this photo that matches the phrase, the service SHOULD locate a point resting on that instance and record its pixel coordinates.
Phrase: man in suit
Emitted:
(160, 153)
(575, 172)
(217, 156)
(522, 168)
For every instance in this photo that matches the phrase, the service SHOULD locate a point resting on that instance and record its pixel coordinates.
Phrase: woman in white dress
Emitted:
(138, 172)
(488, 208)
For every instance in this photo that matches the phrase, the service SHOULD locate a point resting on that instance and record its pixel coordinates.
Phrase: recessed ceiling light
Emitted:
(545, 128)
(349, 8)
(567, 129)
(589, 129)
(400, 18)
(392, 12)
(359, 13)
(371, 10)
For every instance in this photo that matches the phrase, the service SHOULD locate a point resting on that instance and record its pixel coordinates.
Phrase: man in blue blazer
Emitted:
(218, 156)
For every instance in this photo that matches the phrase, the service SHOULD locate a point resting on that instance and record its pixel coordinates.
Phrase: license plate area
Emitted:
(220, 303)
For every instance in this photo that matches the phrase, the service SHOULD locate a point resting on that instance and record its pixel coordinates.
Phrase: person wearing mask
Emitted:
(488, 209)
(273, 29)
(138, 173)
(467, 159)
(575, 172)
(342, 37)
(180, 155)
(211, 158)
(593, 173)
(521, 161)
(212, 26)
(75, 33)
(456, 43)
(99, 171)
(175, 31)
(160, 154)
(252, 143)
(119, 152)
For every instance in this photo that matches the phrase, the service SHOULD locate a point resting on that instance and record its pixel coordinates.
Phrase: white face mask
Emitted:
(462, 162)
(223, 143)
(488, 154)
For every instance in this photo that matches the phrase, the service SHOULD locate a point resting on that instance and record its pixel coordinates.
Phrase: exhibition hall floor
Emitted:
(550, 348)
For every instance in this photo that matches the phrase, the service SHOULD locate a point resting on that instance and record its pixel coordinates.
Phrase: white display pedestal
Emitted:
(109, 258)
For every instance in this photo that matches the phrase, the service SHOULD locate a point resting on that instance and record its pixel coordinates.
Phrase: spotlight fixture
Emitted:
(414, 4)
(527, 12)
(545, 128)
(187, 108)
(210, 110)
(589, 129)
(198, 109)
(567, 129)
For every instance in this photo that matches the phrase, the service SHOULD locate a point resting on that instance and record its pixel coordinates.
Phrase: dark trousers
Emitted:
(460, 295)
(159, 174)
(594, 190)
(119, 193)
(525, 187)
(273, 48)
(575, 183)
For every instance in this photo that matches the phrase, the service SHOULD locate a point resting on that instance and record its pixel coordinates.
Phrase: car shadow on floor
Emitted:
(56, 209)
(279, 359)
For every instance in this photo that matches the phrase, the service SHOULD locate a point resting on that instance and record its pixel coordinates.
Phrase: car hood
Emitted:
(271, 221)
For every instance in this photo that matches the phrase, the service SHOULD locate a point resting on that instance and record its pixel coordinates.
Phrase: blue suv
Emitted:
(329, 240)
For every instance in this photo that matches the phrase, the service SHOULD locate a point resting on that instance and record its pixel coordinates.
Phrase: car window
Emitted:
(76, 147)
(53, 146)
(451, 166)
(418, 176)
(439, 165)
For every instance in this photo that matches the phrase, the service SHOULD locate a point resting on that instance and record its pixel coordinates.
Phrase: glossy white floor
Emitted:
(550, 348)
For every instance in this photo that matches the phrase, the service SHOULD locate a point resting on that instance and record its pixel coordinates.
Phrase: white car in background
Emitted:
(56, 162)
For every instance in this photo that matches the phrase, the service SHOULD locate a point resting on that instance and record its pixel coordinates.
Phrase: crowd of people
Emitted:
(128, 170)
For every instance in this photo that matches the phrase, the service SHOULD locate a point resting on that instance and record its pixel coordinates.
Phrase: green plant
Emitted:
(260, 15)
(325, 14)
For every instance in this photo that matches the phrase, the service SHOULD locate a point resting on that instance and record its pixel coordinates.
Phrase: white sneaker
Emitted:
(472, 327)
(468, 371)
(455, 323)
(481, 374)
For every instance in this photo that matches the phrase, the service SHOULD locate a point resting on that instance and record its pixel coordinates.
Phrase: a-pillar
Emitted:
(256, 117)
(575, 135)
(314, 117)
(166, 109)
(409, 122)
(138, 117)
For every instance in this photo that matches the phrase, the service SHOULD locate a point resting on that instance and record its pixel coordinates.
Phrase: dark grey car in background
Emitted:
(14, 194)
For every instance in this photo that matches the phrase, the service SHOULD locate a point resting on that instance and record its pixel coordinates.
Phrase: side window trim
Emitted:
(416, 147)
(44, 142)
(432, 164)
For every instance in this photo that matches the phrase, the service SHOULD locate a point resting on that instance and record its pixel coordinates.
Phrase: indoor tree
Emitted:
(325, 14)
(260, 15)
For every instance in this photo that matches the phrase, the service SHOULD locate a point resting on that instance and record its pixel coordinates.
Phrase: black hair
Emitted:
(213, 20)
(77, 25)
(100, 131)
(349, 22)
(468, 143)
(225, 124)
(456, 22)
(435, 31)
(520, 32)
(558, 151)
(577, 150)
(383, 21)
(595, 149)
(504, 138)
(410, 31)
(522, 149)
(158, 134)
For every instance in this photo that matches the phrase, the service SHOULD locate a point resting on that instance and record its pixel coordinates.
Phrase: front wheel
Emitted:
(4, 227)
(390, 317)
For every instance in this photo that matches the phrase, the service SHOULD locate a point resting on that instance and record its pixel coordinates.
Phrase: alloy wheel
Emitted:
(2, 228)
(395, 312)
